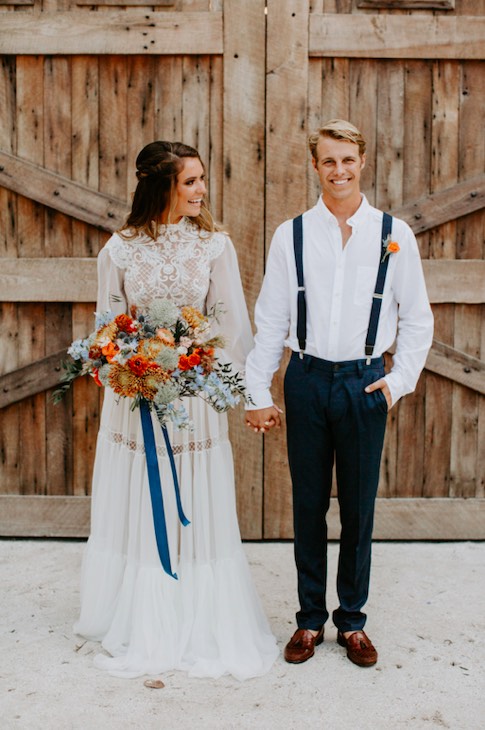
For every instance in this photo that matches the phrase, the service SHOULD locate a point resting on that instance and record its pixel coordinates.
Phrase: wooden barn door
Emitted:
(414, 82)
(83, 87)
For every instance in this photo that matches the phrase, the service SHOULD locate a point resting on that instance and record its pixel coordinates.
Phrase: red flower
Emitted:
(96, 379)
(184, 363)
(125, 323)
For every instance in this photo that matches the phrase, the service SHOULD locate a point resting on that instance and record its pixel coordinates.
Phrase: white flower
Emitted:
(163, 313)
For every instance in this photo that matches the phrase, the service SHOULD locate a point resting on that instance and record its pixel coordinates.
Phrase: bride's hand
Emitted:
(263, 419)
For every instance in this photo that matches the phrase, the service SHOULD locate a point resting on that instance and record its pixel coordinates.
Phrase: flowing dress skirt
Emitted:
(210, 621)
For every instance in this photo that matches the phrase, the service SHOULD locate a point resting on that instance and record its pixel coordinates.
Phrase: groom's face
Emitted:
(338, 167)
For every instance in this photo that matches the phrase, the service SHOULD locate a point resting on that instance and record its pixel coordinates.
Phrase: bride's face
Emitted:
(190, 189)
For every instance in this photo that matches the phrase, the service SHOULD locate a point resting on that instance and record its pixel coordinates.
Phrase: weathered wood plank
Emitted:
(426, 519)
(418, 92)
(31, 321)
(405, 4)
(86, 404)
(460, 281)
(60, 193)
(168, 93)
(396, 36)
(445, 205)
(286, 168)
(122, 3)
(112, 32)
(457, 366)
(10, 452)
(243, 159)
(28, 380)
(469, 321)
(85, 243)
(364, 84)
(48, 280)
(44, 516)
(395, 519)
(390, 146)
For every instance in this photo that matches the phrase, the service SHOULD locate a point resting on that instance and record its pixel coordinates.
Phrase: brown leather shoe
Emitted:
(302, 645)
(359, 648)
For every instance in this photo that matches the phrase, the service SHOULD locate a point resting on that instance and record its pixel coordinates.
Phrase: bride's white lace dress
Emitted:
(209, 621)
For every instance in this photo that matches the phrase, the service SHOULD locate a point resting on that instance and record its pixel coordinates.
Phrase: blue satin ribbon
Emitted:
(156, 486)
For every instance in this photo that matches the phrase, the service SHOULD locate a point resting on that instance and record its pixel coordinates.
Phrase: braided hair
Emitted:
(157, 167)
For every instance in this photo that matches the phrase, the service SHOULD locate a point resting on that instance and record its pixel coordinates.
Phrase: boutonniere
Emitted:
(389, 247)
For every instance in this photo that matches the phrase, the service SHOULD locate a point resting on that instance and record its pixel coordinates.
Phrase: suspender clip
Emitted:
(302, 355)
(301, 288)
(378, 296)
(367, 362)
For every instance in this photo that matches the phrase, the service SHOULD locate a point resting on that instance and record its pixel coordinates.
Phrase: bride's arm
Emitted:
(111, 293)
(226, 287)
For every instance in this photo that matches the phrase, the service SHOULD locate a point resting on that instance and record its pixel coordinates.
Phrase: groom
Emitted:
(340, 282)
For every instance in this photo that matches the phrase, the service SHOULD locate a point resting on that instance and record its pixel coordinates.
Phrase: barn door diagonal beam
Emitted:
(447, 205)
(59, 192)
(34, 378)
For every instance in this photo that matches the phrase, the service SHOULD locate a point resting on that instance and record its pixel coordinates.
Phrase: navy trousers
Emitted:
(331, 419)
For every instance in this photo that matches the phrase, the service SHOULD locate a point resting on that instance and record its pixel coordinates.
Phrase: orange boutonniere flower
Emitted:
(390, 247)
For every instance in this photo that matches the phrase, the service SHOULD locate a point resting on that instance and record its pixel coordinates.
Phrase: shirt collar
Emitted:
(354, 220)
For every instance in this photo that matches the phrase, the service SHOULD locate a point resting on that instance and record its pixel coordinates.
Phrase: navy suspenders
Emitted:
(301, 302)
(370, 340)
(378, 291)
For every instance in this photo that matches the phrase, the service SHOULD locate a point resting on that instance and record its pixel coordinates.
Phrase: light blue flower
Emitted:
(79, 350)
(103, 318)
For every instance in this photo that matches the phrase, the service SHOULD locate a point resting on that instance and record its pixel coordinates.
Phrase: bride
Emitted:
(209, 622)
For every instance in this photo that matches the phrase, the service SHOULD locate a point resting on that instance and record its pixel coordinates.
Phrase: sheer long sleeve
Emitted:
(111, 293)
(226, 287)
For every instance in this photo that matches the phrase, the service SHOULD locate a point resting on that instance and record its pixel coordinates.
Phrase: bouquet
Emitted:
(156, 357)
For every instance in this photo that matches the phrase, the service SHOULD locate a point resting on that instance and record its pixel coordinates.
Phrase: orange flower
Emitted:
(125, 323)
(110, 350)
(194, 359)
(390, 247)
(138, 364)
(126, 383)
(184, 363)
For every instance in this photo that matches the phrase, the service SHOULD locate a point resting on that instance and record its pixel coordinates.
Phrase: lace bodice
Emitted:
(176, 266)
(183, 266)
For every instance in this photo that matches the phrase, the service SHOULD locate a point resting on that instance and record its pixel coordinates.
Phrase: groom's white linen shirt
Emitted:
(339, 284)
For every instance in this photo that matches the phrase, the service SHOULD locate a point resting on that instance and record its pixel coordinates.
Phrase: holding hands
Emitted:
(264, 419)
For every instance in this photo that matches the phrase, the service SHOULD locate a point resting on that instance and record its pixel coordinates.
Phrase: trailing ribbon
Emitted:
(156, 486)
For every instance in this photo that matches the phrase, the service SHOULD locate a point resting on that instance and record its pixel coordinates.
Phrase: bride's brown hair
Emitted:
(157, 167)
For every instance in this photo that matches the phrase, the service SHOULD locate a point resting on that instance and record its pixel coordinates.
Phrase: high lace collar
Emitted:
(184, 224)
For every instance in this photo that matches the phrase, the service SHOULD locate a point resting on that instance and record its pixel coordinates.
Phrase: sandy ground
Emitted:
(426, 617)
